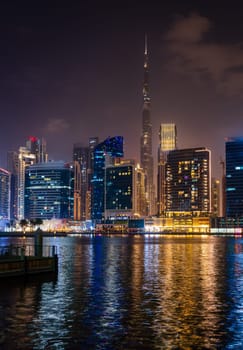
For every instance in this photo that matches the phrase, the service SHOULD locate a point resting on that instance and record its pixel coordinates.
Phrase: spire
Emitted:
(146, 97)
(146, 45)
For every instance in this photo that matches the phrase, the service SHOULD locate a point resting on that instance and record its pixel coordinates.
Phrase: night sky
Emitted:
(70, 71)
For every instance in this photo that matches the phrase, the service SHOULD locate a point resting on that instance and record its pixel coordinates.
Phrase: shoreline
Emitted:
(162, 233)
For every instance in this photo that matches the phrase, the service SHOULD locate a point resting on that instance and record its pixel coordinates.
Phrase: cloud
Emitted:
(192, 53)
(56, 125)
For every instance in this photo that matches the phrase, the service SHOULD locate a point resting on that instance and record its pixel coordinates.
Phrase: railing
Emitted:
(18, 252)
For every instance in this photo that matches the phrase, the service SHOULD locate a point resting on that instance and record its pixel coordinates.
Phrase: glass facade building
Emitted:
(119, 188)
(188, 180)
(4, 194)
(167, 142)
(104, 154)
(234, 177)
(49, 191)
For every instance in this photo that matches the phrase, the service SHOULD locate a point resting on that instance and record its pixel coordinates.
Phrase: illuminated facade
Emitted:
(234, 177)
(103, 155)
(38, 148)
(33, 152)
(146, 150)
(124, 190)
(167, 142)
(188, 180)
(26, 158)
(12, 167)
(49, 191)
(4, 194)
(83, 164)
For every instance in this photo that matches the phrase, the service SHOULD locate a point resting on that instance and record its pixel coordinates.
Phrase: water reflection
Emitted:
(130, 293)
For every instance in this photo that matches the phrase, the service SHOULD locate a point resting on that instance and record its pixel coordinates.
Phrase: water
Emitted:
(123, 292)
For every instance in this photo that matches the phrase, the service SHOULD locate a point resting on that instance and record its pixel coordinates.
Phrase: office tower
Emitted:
(234, 177)
(26, 158)
(103, 155)
(188, 180)
(82, 158)
(124, 190)
(215, 197)
(38, 148)
(49, 191)
(146, 150)
(12, 167)
(167, 142)
(34, 152)
(5, 177)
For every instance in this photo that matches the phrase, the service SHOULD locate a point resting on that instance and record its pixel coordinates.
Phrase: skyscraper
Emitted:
(146, 149)
(12, 167)
(188, 180)
(34, 152)
(49, 191)
(124, 190)
(234, 177)
(83, 165)
(81, 160)
(4, 194)
(167, 142)
(104, 154)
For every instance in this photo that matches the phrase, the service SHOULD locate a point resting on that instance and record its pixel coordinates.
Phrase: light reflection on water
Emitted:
(125, 292)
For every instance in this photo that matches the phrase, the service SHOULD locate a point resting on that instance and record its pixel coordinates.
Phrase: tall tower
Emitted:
(104, 154)
(167, 142)
(188, 180)
(234, 177)
(146, 151)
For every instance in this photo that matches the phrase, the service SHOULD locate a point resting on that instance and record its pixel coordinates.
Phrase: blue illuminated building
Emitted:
(104, 154)
(49, 191)
(234, 177)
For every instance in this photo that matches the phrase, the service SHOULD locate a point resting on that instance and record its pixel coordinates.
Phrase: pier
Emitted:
(22, 260)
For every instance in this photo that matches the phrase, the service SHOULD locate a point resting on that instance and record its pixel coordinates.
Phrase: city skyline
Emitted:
(70, 72)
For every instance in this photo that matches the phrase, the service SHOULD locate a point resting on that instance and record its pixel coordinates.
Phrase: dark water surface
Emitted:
(123, 292)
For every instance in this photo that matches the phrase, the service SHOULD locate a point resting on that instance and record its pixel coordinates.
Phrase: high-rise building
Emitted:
(146, 149)
(124, 190)
(12, 167)
(4, 194)
(49, 191)
(234, 177)
(188, 180)
(34, 152)
(83, 163)
(104, 154)
(167, 142)
(38, 148)
(26, 158)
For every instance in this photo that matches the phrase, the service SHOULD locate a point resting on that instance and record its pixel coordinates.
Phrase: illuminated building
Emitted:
(103, 155)
(26, 158)
(49, 191)
(234, 177)
(34, 152)
(82, 157)
(167, 142)
(124, 190)
(38, 148)
(12, 167)
(4, 194)
(215, 197)
(188, 180)
(146, 151)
